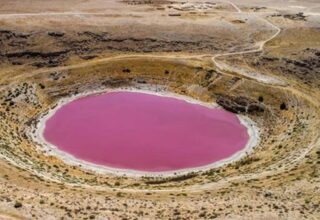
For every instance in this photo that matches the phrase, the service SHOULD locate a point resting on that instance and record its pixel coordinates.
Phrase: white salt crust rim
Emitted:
(52, 150)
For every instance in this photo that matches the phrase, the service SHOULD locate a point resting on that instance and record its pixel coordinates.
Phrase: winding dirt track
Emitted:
(256, 76)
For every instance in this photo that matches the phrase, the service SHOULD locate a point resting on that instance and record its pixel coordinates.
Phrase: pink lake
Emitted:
(143, 132)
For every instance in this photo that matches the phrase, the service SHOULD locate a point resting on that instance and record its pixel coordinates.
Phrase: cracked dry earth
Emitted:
(255, 58)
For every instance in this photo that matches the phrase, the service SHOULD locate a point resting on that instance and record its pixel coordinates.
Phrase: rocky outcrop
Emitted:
(35, 54)
(114, 83)
(238, 104)
(296, 17)
(24, 48)
(7, 34)
(55, 34)
(303, 66)
(41, 59)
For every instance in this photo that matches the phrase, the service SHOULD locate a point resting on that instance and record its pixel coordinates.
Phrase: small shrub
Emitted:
(283, 106)
(18, 205)
(260, 99)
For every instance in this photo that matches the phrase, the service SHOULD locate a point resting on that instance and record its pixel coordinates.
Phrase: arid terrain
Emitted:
(259, 59)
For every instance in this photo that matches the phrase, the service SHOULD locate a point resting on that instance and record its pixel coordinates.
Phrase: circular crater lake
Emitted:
(144, 132)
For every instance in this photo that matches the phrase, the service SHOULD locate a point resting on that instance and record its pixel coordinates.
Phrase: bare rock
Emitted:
(238, 104)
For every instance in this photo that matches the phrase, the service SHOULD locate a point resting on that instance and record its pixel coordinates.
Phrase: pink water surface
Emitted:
(137, 131)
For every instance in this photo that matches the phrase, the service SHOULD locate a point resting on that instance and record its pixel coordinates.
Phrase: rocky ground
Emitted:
(54, 50)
